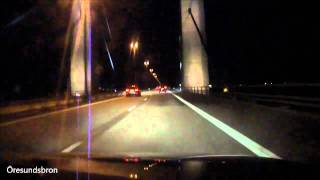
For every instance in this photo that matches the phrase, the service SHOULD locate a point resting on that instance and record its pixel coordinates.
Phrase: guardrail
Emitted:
(294, 89)
(294, 95)
(204, 90)
(280, 100)
(50, 103)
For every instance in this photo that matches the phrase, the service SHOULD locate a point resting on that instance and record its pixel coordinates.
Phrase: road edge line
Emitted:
(236, 135)
(71, 147)
(131, 108)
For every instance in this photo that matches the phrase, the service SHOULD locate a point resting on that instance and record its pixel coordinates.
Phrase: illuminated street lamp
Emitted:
(225, 90)
(134, 45)
(146, 63)
(154, 74)
(151, 70)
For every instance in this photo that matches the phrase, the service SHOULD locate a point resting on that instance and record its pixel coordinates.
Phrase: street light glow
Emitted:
(225, 90)
(136, 45)
(146, 63)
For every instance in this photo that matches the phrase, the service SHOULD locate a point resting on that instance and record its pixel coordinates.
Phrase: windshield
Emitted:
(150, 78)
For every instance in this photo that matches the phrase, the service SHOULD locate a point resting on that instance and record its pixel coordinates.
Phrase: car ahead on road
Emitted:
(133, 90)
(162, 89)
(79, 166)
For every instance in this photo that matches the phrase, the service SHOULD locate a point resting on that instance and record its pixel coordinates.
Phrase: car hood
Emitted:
(202, 166)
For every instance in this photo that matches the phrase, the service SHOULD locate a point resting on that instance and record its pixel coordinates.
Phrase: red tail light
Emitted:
(135, 160)
(136, 89)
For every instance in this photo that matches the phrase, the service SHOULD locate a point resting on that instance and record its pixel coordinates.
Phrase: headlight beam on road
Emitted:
(236, 135)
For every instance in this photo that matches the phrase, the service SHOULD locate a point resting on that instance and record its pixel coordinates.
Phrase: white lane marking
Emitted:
(72, 147)
(132, 108)
(145, 99)
(236, 135)
(56, 112)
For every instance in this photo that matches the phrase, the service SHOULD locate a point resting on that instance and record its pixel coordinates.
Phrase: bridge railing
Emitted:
(204, 90)
(292, 95)
(33, 106)
(292, 89)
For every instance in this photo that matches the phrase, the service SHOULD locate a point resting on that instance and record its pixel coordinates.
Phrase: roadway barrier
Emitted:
(204, 90)
(293, 95)
(296, 101)
(296, 96)
(48, 104)
(293, 89)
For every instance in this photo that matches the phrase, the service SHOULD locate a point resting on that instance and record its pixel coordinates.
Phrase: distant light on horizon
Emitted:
(77, 94)
(136, 45)
(225, 90)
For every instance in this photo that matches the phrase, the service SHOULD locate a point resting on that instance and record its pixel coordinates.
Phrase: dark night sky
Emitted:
(249, 42)
(256, 41)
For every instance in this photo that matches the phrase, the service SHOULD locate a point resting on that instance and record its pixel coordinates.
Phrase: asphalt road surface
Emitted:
(159, 125)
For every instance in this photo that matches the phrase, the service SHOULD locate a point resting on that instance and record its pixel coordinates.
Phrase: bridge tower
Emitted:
(195, 63)
(80, 68)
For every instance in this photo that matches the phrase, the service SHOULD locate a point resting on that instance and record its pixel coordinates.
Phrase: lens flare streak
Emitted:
(89, 66)
(110, 58)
